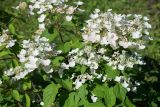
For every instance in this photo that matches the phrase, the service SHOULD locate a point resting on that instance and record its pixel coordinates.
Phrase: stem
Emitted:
(39, 97)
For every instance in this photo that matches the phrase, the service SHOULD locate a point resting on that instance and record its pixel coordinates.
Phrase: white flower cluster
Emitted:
(126, 83)
(81, 79)
(40, 7)
(6, 39)
(86, 56)
(92, 57)
(117, 30)
(34, 54)
(123, 60)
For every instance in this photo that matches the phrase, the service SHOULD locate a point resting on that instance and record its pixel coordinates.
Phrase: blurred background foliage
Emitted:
(149, 93)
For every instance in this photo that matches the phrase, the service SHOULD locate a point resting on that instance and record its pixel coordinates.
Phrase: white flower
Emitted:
(117, 79)
(72, 63)
(112, 37)
(104, 41)
(22, 58)
(78, 83)
(46, 62)
(53, 1)
(31, 66)
(94, 16)
(145, 18)
(20, 75)
(42, 103)
(94, 98)
(124, 44)
(96, 10)
(94, 65)
(36, 6)
(42, 26)
(121, 67)
(11, 43)
(22, 52)
(125, 84)
(109, 10)
(117, 18)
(41, 18)
(101, 50)
(25, 43)
(9, 72)
(68, 18)
(0, 82)
(35, 52)
(146, 32)
(48, 49)
(70, 10)
(104, 78)
(147, 25)
(65, 66)
(50, 71)
(142, 47)
(134, 89)
(32, 59)
(136, 34)
(94, 37)
(79, 3)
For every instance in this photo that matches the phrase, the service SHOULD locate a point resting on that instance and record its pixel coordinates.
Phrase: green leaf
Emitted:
(128, 103)
(99, 91)
(76, 43)
(65, 47)
(4, 53)
(49, 94)
(110, 98)
(11, 28)
(56, 61)
(68, 25)
(120, 92)
(15, 95)
(97, 104)
(72, 100)
(81, 68)
(153, 104)
(110, 72)
(15, 62)
(82, 93)
(50, 36)
(28, 102)
(67, 84)
(26, 85)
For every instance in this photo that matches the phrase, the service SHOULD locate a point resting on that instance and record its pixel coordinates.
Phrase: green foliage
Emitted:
(57, 61)
(110, 98)
(11, 28)
(28, 101)
(72, 100)
(15, 95)
(49, 94)
(100, 90)
(67, 36)
(110, 72)
(97, 104)
(120, 92)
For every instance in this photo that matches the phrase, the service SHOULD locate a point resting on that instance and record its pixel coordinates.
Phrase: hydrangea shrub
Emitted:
(88, 69)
